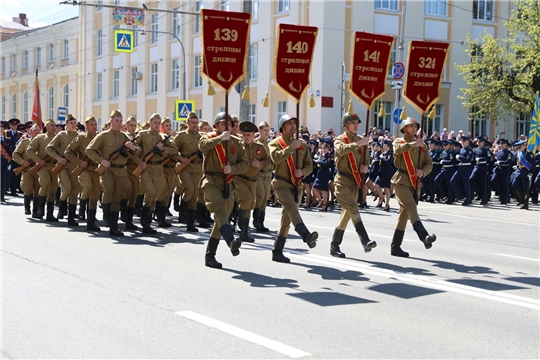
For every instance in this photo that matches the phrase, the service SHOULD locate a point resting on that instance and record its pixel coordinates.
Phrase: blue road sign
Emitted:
(123, 41)
(183, 108)
(396, 114)
(62, 113)
(398, 70)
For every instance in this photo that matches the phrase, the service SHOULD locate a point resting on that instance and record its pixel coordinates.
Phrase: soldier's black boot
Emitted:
(182, 214)
(256, 218)
(364, 238)
(395, 247)
(42, 200)
(525, 203)
(146, 220)
(62, 209)
(113, 230)
(50, 211)
(123, 210)
(277, 252)
(243, 223)
(337, 238)
(138, 204)
(232, 243)
(129, 221)
(82, 209)
(210, 257)
(201, 216)
(423, 235)
(72, 210)
(161, 210)
(309, 238)
(176, 202)
(261, 219)
(233, 217)
(35, 208)
(192, 214)
(27, 201)
(168, 205)
(106, 213)
(91, 222)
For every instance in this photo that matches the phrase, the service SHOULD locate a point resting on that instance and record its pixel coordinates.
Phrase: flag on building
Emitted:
(36, 111)
(534, 132)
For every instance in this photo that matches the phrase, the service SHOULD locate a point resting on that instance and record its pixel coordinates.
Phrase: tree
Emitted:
(503, 75)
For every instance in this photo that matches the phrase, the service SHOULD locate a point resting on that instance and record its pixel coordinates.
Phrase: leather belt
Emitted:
(447, 166)
(504, 164)
(465, 164)
(214, 173)
(195, 162)
(284, 179)
(481, 162)
(117, 166)
(403, 171)
(348, 176)
(157, 162)
(247, 178)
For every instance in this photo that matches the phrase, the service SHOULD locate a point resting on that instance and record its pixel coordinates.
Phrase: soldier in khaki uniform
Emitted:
(220, 161)
(114, 180)
(264, 182)
(68, 182)
(153, 179)
(128, 205)
(88, 178)
(246, 183)
(48, 180)
(169, 164)
(187, 142)
(203, 215)
(349, 149)
(406, 150)
(283, 151)
(29, 181)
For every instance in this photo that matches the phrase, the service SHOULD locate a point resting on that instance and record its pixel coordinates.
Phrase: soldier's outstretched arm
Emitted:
(279, 154)
(207, 142)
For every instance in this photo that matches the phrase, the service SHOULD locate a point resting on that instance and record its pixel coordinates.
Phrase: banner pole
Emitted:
(296, 191)
(226, 146)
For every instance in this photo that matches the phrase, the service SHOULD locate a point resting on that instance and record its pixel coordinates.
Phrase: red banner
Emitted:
(36, 110)
(425, 66)
(294, 55)
(225, 42)
(371, 58)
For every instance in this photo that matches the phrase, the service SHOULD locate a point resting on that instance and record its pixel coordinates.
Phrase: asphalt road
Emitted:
(67, 293)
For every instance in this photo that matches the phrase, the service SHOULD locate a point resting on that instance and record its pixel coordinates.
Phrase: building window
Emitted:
(175, 75)
(284, 5)
(4, 107)
(523, 123)
(13, 62)
(435, 7)
(14, 106)
(133, 90)
(3, 64)
(253, 61)
(38, 56)
(116, 2)
(65, 50)
(386, 4)
(176, 23)
(65, 96)
(99, 86)
(478, 124)
(281, 110)
(255, 9)
(154, 27)
(99, 45)
(224, 5)
(116, 84)
(197, 79)
(25, 106)
(197, 23)
(199, 113)
(433, 125)
(383, 123)
(51, 103)
(100, 2)
(393, 57)
(483, 10)
(51, 52)
(25, 59)
(153, 78)
(135, 36)
(251, 114)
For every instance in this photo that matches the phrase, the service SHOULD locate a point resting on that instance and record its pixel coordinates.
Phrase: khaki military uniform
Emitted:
(114, 181)
(346, 186)
(68, 182)
(47, 179)
(282, 182)
(89, 178)
(188, 143)
(264, 182)
(245, 184)
(133, 162)
(402, 184)
(29, 181)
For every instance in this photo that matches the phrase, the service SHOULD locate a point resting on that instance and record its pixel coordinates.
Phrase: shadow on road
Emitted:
(459, 267)
(396, 268)
(404, 291)
(529, 280)
(328, 273)
(486, 285)
(324, 298)
(263, 281)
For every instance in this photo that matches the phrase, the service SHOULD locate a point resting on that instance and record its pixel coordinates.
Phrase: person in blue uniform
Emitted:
(501, 173)
(373, 172)
(308, 180)
(325, 165)
(386, 171)
(14, 136)
(520, 181)
(490, 167)
(535, 178)
(435, 152)
(479, 174)
(442, 180)
(5, 159)
(460, 179)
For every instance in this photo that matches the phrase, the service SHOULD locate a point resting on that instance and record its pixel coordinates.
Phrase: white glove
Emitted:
(457, 157)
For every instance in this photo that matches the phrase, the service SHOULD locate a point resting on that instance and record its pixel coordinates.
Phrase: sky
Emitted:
(39, 13)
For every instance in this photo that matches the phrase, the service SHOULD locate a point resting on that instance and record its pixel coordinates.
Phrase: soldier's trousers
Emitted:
(478, 180)
(115, 186)
(153, 184)
(135, 186)
(48, 182)
(91, 189)
(290, 213)
(29, 183)
(220, 207)
(69, 185)
(170, 181)
(347, 196)
(408, 207)
(460, 182)
(264, 184)
(190, 181)
(246, 192)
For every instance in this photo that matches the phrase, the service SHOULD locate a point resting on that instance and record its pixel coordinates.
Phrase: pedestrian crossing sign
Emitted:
(123, 41)
(183, 108)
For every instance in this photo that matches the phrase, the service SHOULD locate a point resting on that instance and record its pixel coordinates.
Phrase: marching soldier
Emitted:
(220, 164)
(264, 182)
(13, 135)
(246, 183)
(68, 182)
(48, 180)
(203, 215)
(5, 148)
(29, 180)
(187, 142)
(169, 163)
(135, 193)
(406, 150)
(479, 175)
(114, 180)
(88, 178)
(501, 174)
(520, 179)
(284, 150)
(350, 149)
(460, 180)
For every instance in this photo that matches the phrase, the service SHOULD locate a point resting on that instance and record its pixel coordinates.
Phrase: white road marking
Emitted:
(518, 257)
(246, 335)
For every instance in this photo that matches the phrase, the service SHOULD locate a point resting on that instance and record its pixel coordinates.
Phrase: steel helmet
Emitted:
(349, 117)
(284, 119)
(409, 121)
(220, 117)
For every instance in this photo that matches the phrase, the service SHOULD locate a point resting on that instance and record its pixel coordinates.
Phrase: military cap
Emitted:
(480, 139)
(48, 121)
(347, 117)
(445, 142)
(263, 124)
(203, 123)
(29, 124)
(115, 112)
(183, 126)
(465, 138)
(458, 144)
(154, 115)
(89, 118)
(21, 127)
(284, 119)
(5, 124)
(305, 137)
(432, 141)
(14, 121)
(146, 124)
(165, 120)
(387, 142)
(520, 142)
(409, 121)
(70, 117)
(504, 141)
(314, 142)
(248, 126)
(235, 118)
(221, 117)
(192, 114)
(487, 143)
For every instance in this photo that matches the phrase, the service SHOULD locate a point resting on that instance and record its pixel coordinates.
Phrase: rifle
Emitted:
(79, 169)
(21, 168)
(57, 168)
(416, 194)
(35, 169)
(138, 171)
(116, 153)
(178, 169)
